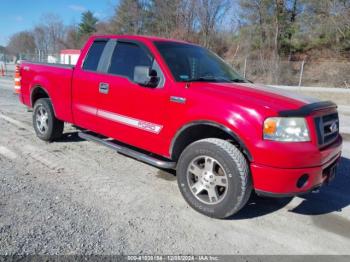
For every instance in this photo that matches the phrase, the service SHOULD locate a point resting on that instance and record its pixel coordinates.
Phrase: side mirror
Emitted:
(145, 76)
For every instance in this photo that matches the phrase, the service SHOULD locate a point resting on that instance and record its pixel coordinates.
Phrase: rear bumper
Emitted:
(285, 182)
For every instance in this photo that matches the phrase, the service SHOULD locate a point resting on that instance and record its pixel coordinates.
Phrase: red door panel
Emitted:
(133, 114)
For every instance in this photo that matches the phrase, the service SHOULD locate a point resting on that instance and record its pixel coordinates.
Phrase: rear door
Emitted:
(127, 111)
(85, 86)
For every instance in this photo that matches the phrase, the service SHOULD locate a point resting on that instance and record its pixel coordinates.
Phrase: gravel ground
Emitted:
(76, 197)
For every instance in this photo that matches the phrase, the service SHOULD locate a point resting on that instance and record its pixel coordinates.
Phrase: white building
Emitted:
(69, 56)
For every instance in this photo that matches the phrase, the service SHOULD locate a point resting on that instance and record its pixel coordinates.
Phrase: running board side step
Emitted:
(129, 152)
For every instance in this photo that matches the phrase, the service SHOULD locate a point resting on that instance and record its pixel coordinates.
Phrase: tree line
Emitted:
(261, 29)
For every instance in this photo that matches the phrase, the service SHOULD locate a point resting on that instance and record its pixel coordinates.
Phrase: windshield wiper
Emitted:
(238, 80)
(216, 79)
(208, 79)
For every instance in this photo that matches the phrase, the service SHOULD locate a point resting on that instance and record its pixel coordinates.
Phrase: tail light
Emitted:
(17, 80)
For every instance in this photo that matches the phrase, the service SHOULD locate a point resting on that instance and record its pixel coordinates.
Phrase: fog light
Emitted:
(302, 181)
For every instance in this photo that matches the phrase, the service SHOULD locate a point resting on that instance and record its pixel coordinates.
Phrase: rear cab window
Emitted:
(94, 54)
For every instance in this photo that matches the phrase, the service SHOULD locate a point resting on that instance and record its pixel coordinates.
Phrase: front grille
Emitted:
(327, 127)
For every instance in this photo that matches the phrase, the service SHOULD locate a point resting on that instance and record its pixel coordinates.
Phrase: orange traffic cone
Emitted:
(17, 80)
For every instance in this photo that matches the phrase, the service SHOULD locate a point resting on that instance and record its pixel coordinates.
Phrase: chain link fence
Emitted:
(41, 57)
(8, 63)
(290, 73)
(295, 73)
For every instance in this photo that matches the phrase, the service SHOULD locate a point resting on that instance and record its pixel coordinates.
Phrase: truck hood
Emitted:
(258, 95)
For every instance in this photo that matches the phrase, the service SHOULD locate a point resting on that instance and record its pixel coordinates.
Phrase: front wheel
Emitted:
(213, 177)
(47, 127)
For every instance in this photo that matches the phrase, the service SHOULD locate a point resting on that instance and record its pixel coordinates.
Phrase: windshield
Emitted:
(194, 63)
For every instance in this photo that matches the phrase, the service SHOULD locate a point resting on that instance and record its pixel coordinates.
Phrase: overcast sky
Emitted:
(18, 15)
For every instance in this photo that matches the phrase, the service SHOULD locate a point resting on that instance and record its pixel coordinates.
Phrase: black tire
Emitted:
(53, 126)
(233, 170)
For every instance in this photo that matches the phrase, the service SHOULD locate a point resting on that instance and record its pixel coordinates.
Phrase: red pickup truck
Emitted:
(177, 105)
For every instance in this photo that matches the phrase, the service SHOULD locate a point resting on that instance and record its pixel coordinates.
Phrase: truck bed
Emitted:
(48, 64)
(55, 79)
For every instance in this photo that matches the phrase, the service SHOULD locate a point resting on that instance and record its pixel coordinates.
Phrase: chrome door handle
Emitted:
(178, 99)
(103, 88)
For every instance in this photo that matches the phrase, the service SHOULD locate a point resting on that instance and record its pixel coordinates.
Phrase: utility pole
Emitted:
(245, 68)
(301, 73)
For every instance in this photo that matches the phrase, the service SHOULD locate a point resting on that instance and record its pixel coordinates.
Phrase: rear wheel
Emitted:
(47, 127)
(213, 176)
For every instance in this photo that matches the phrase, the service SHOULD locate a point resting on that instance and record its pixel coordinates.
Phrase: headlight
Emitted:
(286, 129)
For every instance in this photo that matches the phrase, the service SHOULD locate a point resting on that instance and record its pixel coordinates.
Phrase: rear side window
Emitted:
(93, 57)
(126, 56)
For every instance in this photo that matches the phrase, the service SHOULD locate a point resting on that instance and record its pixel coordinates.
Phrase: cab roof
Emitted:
(141, 38)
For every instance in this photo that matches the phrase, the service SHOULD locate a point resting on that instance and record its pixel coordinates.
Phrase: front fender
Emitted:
(222, 127)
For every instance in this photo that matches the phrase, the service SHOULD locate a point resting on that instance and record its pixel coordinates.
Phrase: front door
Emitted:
(127, 111)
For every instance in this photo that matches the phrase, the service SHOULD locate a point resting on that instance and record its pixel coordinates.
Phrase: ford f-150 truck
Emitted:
(176, 105)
